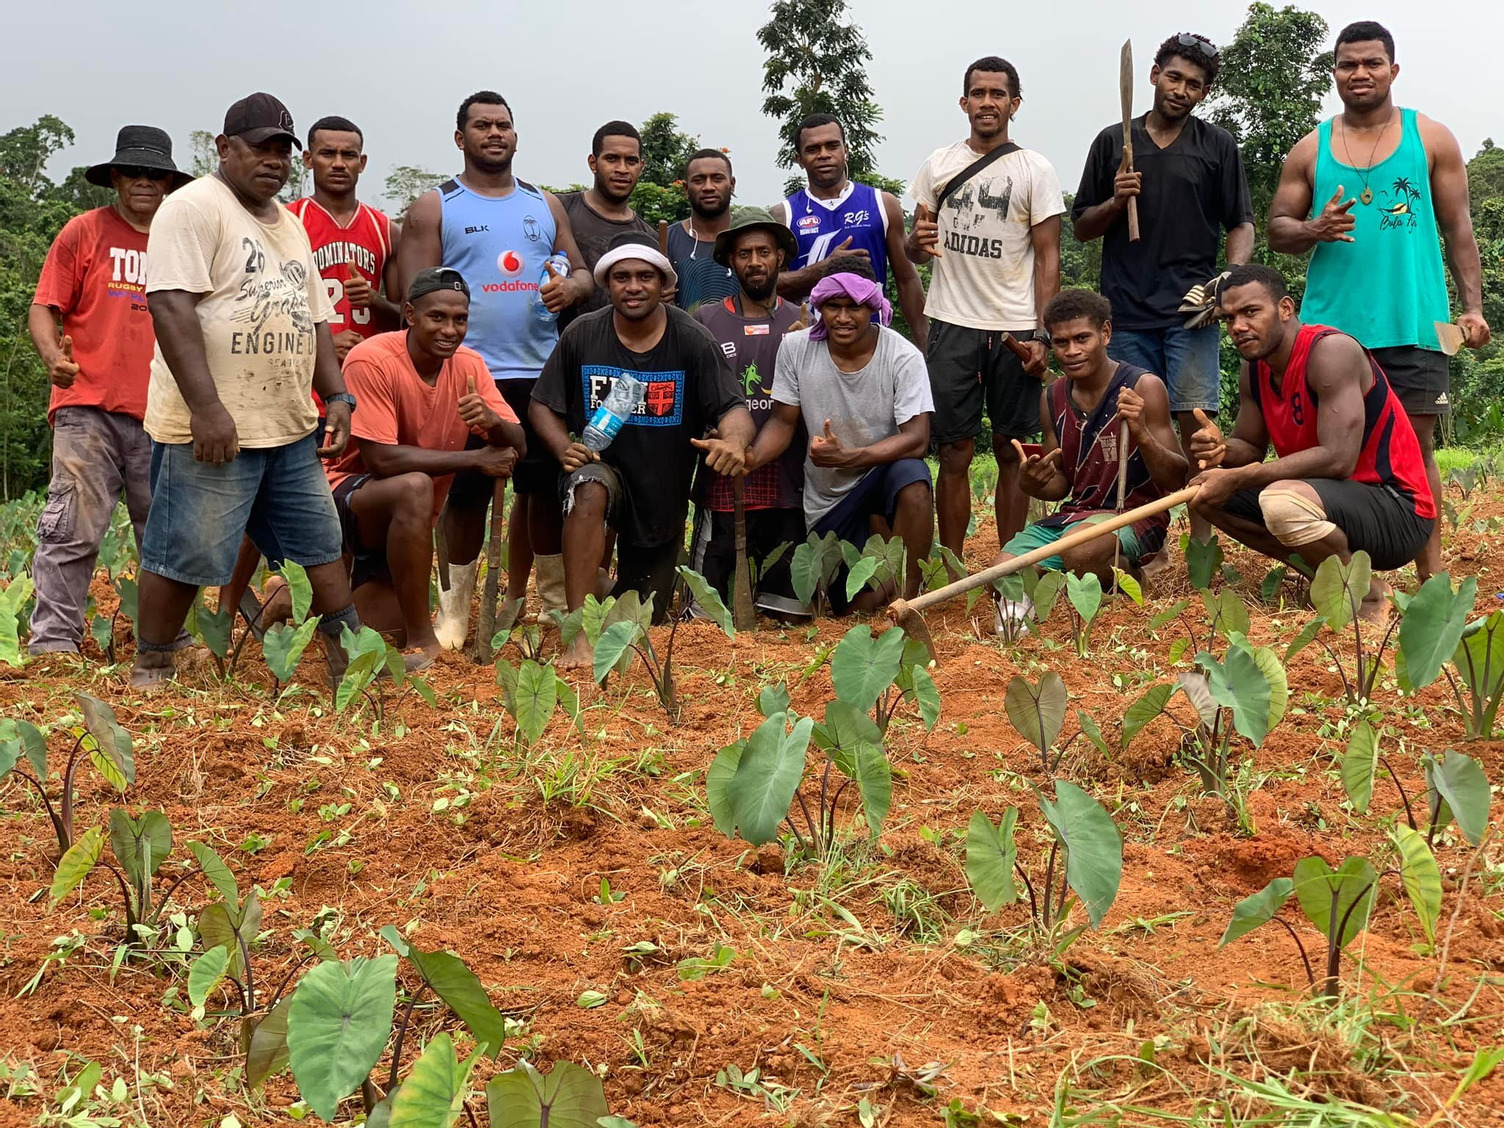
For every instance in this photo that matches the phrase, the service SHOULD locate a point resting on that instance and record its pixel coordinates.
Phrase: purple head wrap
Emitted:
(860, 290)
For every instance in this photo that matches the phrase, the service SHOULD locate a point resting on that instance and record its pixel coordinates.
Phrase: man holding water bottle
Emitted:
(514, 246)
(664, 386)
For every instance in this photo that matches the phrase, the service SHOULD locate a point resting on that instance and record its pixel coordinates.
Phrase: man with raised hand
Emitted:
(423, 396)
(90, 325)
(989, 216)
(499, 232)
(1190, 186)
(834, 215)
(601, 212)
(861, 391)
(242, 325)
(1368, 193)
(749, 327)
(710, 184)
(1347, 473)
(639, 484)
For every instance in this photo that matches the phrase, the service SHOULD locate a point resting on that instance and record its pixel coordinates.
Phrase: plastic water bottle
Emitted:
(625, 397)
(560, 263)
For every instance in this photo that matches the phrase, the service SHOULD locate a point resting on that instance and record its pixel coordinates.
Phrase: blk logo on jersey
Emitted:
(663, 401)
(477, 230)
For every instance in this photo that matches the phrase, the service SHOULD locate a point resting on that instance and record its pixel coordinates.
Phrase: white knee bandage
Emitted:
(1293, 518)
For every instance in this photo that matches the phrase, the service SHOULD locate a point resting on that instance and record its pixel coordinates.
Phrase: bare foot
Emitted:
(421, 655)
(276, 601)
(579, 654)
(1375, 606)
(152, 670)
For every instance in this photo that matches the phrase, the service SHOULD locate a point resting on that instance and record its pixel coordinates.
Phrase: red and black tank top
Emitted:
(1390, 455)
(1089, 458)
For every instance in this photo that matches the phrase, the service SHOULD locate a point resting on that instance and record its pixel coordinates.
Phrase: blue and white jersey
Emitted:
(820, 226)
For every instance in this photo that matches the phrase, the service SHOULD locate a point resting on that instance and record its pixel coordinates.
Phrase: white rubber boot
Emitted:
(453, 621)
(549, 576)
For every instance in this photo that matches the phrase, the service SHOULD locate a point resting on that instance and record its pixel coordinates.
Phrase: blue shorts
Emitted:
(277, 496)
(876, 495)
(1185, 359)
(1037, 536)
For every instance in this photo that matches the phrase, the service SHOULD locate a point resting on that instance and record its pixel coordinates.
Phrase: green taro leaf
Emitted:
(990, 856)
(1256, 909)
(1093, 843)
(1128, 586)
(22, 738)
(1144, 710)
(127, 590)
(213, 628)
(1179, 607)
(569, 1097)
(536, 695)
(1480, 664)
(1269, 585)
(217, 873)
(874, 779)
(862, 571)
(433, 1094)
(928, 697)
(844, 729)
(337, 1027)
(1459, 781)
(451, 980)
(718, 791)
(1194, 685)
(615, 644)
(708, 598)
(569, 701)
(283, 647)
(773, 699)
(266, 1052)
(804, 570)
(1093, 732)
(205, 974)
(140, 845)
(1203, 560)
(102, 631)
(1279, 683)
(862, 667)
(1047, 594)
(1432, 626)
(1421, 877)
(1240, 685)
(12, 599)
(1304, 639)
(1085, 595)
(1338, 589)
(299, 589)
(767, 776)
(506, 679)
(1228, 613)
(112, 754)
(76, 862)
(1037, 711)
(1360, 762)
(1354, 883)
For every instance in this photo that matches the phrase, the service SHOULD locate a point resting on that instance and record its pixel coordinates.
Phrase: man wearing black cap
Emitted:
(423, 399)
(91, 328)
(638, 484)
(749, 326)
(242, 325)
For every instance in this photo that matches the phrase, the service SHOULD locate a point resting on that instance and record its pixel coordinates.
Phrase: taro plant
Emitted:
(631, 634)
(1086, 853)
(1034, 594)
(1434, 630)
(753, 786)
(1338, 903)
(531, 693)
(1337, 592)
(1456, 786)
(1203, 560)
(1083, 595)
(372, 658)
(282, 644)
(879, 565)
(595, 615)
(1226, 615)
(212, 628)
(12, 603)
(813, 569)
(98, 738)
(879, 672)
(568, 1096)
(1037, 711)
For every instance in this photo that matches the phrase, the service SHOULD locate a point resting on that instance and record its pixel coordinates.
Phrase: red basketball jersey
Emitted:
(363, 246)
(1390, 455)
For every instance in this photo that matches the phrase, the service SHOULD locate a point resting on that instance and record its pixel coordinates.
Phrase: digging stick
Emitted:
(1125, 93)
(1117, 543)
(742, 611)
(486, 626)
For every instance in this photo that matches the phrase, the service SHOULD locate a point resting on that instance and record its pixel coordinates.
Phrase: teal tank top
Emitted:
(1388, 286)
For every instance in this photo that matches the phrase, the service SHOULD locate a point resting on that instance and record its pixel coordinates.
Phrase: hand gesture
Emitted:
(1475, 331)
(214, 437)
(1131, 412)
(826, 449)
(473, 409)
(722, 456)
(336, 429)
(344, 341)
(1335, 220)
(1207, 446)
(576, 456)
(552, 292)
(63, 370)
(1035, 474)
(926, 233)
(803, 322)
(357, 289)
(847, 250)
(496, 461)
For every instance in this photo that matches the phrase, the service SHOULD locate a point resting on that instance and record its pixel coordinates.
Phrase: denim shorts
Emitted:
(1185, 359)
(277, 496)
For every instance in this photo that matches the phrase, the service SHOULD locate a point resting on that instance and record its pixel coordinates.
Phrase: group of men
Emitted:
(313, 384)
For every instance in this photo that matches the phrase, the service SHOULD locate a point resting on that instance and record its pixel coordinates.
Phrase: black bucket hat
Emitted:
(139, 146)
(744, 219)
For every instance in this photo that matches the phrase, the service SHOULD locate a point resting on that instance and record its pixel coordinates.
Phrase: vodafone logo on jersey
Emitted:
(511, 264)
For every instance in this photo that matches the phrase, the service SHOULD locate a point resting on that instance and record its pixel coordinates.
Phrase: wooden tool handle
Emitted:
(663, 237)
(1016, 347)
(1132, 200)
(1079, 536)
(921, 212)
(1122, 463)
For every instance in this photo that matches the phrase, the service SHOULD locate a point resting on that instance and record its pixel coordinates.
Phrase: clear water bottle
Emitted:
(560, 263)
(625, 397)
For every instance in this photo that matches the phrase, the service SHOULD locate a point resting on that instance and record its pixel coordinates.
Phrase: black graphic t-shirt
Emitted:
(690, 386)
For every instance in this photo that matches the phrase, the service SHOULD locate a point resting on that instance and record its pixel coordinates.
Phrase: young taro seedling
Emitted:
(99, 738)
(879, 672)
(1337, 593)
(1032, 591)
(1092, 848)
(1434, 630)
(1456, 786)
(12, 603)
(814, 568)
(282, 645)
(530, 693)
(879, 565)
(1037, 711)
(370, 657)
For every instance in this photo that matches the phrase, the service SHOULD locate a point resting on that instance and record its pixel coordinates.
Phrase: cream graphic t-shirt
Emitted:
(261, 300)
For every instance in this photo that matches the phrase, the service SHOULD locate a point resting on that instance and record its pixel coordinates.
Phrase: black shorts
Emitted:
(537, 472)
(1375, 519)
(970, 366)
(1421, 378)
(715, 552)
(645, 569)
(367, 564)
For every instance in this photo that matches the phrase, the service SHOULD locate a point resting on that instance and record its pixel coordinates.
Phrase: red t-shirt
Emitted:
(362, 245)
(395, 407)
(95, 277)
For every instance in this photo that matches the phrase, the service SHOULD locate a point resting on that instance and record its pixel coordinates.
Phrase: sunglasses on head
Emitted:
(1200, 45)
(136, 172)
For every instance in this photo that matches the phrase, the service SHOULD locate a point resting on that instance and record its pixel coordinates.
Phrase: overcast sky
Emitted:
(399, 70)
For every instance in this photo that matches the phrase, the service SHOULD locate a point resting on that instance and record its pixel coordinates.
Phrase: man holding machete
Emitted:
(1187, 181)
(988, 214)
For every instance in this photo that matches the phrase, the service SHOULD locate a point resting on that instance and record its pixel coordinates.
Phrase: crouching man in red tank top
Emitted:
(1347, 474)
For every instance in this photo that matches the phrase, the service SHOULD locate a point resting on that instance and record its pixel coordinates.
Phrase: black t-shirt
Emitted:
(593, 233)
(690, 386)
(1193, 189)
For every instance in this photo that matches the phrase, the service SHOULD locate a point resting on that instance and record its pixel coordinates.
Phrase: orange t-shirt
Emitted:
(95, 277)
(395, 407)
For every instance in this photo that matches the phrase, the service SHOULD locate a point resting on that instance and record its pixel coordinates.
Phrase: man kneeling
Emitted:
(1347, 473)
(864, 394)
(422, 397)
(1079, 463)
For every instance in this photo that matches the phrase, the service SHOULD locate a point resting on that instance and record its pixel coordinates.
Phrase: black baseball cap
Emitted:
(432, 278)
(259, 117)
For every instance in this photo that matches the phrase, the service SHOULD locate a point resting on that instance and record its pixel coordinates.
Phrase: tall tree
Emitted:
(665, 148)
(406, 183)
(817, 64)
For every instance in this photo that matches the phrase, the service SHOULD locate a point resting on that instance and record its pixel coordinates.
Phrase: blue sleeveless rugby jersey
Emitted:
(499, 243)
(820, 226)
